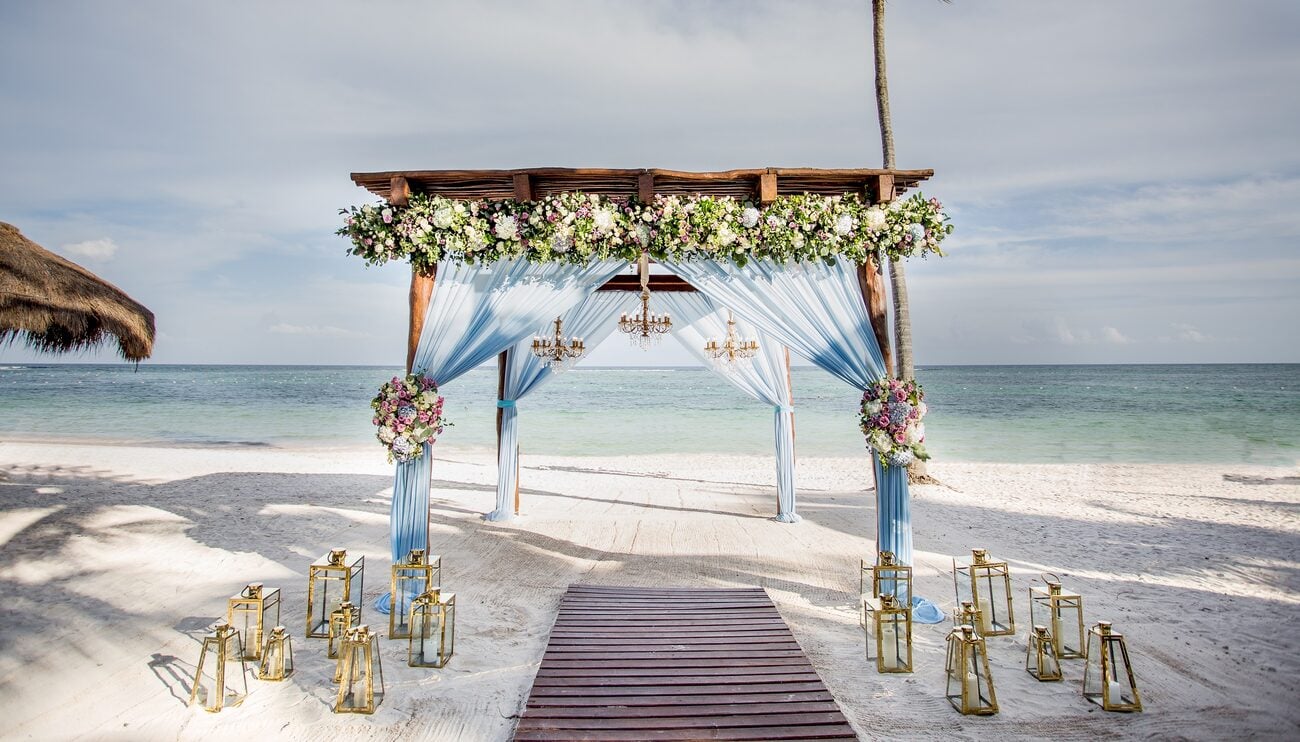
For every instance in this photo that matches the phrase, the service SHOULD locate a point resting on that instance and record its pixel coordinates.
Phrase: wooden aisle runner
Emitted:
(676, 664)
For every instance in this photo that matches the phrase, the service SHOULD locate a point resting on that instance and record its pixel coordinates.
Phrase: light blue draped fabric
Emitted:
(593, 319)
(696, 319)
(817, 310)
(476, 312)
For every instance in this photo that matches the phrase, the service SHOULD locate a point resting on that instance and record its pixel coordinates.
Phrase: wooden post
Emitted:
(645, 187)
(523, 187)
(884, 188)
(399, 191)
(794, 454)
(873, 295)
(502, 359)
(766, 188)
(421, 293)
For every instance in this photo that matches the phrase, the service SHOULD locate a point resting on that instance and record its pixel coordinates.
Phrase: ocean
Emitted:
(1130, 413)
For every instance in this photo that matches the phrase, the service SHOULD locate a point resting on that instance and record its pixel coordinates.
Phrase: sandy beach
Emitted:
(116, 559)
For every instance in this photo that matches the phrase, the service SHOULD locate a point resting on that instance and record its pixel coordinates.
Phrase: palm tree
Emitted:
(897, 274)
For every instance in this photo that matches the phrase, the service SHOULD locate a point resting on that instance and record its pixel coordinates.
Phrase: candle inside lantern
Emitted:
(971, 691)
(889, 645)
(1114, 692)
(986, 616)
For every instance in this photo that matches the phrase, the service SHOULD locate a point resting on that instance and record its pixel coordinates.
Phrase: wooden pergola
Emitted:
(761, 185)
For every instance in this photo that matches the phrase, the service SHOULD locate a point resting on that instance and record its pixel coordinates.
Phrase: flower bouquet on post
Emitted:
(408, 414)
(892, 413)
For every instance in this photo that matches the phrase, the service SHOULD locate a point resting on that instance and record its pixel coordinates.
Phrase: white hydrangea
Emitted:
(726, 236)
(875, 218)
(749, 217)
(843, 225)
(507, 227)
(442, 217)
(643, 234)
(603, 219)
(873, 407)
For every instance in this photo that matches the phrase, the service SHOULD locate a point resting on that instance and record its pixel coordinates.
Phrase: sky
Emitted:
(1123, 176)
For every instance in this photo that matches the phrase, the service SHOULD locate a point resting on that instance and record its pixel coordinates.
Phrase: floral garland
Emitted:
(577, 227)
(408, 413)
(892, 410)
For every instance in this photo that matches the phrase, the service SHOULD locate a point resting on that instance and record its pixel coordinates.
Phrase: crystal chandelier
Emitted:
(645, 328)
(558, 353)
(731, 349)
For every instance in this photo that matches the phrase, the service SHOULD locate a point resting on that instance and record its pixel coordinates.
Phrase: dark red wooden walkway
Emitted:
(676, 664)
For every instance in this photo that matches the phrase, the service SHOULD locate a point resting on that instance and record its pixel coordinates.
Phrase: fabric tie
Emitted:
(505, 403)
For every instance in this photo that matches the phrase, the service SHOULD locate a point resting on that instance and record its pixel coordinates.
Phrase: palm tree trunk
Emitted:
(897, 274)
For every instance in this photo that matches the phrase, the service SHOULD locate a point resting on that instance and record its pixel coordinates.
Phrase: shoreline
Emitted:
(444, 451)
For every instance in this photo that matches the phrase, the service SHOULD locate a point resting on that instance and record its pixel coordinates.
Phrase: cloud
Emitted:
(1184, 333)
(1114, 336)
(312, 330)
(101, 249)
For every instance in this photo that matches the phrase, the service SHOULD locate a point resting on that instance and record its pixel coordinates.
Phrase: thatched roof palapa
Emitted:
(58, 306)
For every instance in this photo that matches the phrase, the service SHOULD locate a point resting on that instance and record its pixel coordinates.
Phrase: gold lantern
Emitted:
(342, 620)
(1064, 614)
(277, 656)
(332, 580)
(888, 577)
(413, 577)
(889, 633)
(1107, 674)
(433, 629)
(970, 684)
(1040, 658)
(360, 673)
(969, 616)
(987, 584)
(250, 613)
(220, 678)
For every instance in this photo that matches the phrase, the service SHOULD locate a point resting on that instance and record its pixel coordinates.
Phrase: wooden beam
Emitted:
(873, 295)
(884, 185)
(645, 187)
(399, 191)
(766, 188)
(658, 282)
(523, 187)
(421, 293)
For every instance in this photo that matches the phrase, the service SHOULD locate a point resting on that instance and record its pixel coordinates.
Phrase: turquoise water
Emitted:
(1188, 413)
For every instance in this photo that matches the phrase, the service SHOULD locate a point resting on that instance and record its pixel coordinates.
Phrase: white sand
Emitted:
(115, 558)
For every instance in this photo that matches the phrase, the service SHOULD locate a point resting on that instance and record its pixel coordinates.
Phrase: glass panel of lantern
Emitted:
(970, 684)
(251, 612)
(1064, 616)
(220, 678)
(412, 578)
(889, 634)
(987, 584)
(433, 629)
(331, 580)
(1040, 658)
(1107, 675)
(277, 656)
(360, 673)
(342, 620)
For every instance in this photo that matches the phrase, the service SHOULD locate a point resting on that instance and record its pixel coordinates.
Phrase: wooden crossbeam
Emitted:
(658, 282)
(762, 184)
